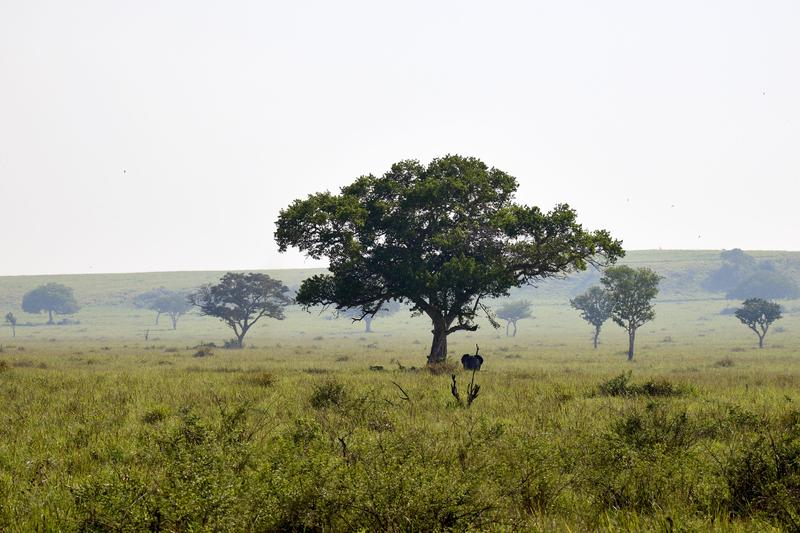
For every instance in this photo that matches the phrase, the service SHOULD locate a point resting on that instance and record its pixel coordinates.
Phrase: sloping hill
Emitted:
(683, 270)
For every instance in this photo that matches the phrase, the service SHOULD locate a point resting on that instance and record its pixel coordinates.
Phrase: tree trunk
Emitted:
(631, 340)
(439, 345)
(174, 321)
(50, 315)
(368, 322)
(596, 336)
(158, 315)
(515, 328)
(14, 330)
(240, 339)
(761, 340)
(508, 325)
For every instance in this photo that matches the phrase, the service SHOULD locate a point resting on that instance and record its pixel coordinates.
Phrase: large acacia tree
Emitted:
(442, 237)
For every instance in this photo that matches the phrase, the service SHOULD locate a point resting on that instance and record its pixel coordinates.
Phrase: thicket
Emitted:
(640, 455)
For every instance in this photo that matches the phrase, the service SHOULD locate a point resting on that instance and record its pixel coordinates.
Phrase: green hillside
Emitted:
(683, 270)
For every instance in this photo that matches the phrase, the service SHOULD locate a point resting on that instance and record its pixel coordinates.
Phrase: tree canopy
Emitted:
(512, 312)
(173, 304)
(595, 307)
(240, 300)
(442, 237)
(765, 284)
(52, 298)
(741, 276)
(631, 292)
(758, 314)
(164, 301)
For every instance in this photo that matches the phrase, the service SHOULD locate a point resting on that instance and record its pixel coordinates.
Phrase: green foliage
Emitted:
(52, 298)
(595, 307)
(621, 385)
(240, 300)
(514, 311)
(758, 314)
(765, 284)
(763, 475)
(631, 292)
(442, 238)
(163, 301)
(742, 277)
(329, 393)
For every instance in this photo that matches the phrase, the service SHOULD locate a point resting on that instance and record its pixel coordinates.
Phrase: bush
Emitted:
(330, 393)
(446, 367)
(764, 478)
(725, 362)
(621, 386)
(205, 351)
(155, 415)
(259, 379)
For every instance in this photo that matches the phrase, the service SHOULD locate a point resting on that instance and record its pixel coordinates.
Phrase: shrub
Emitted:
(155, 415)
(621, 386)
(763, 478)
(204, 351)
(259, 379)
(328, 394)
(448, 366)
(725, 362)
(231, 344)
(616, 386)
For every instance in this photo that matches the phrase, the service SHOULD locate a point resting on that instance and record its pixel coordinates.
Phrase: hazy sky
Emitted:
(166, 135)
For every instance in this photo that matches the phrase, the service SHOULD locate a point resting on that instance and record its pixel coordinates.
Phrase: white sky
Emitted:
(166, 135)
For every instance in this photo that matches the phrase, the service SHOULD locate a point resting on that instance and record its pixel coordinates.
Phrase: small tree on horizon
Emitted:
(511, 312)
(358, 314)
(595, 306)
(172, 304)
(240, 300)
(52, 298)
(758, 314)
(631, 292)
(442, 237)
(146, 299)
(11, 320)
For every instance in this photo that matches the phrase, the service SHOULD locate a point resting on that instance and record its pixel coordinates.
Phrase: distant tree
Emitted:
(631, 292)
(53, 298)
(11, 320)
(736, 266)
(442, 237)
(595, 306)
(173, 304)
(512, 312)
(147, 299)
(766, 284)
(358, 314)
(240, 300)
(758, 314)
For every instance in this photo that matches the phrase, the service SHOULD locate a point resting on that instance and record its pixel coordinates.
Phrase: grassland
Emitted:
(104, 430)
